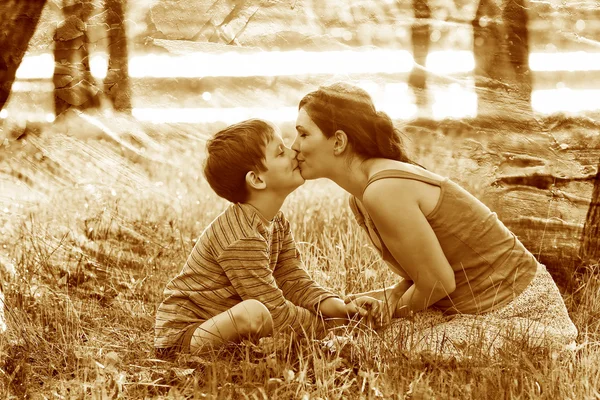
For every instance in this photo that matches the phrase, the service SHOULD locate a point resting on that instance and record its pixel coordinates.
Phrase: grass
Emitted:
(94, 231)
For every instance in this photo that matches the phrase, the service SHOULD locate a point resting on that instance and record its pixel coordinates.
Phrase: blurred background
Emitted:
(222, 60)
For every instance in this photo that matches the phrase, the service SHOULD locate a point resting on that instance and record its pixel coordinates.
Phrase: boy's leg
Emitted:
(250, 318)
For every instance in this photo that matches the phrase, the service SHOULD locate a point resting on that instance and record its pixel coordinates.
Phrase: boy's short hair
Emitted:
(234, 151)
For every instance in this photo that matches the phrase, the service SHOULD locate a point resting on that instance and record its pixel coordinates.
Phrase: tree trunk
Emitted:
(590, 238)
(501, 51)
(19, 20)
(74, 85)
(116, 83)
(420, 48)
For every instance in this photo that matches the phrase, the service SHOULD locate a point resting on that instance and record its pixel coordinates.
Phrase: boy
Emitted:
(244, 276)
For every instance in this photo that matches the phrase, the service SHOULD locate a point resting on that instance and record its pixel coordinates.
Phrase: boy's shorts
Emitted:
(183, 345)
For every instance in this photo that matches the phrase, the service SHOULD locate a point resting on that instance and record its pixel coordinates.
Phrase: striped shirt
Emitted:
(240, 256)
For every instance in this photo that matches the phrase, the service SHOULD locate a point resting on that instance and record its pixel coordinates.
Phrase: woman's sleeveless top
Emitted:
(491, 266)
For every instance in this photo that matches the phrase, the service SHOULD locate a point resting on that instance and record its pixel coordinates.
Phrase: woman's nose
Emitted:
(295, 145)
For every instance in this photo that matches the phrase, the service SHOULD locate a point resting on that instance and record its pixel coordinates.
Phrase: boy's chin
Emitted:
(304, 177)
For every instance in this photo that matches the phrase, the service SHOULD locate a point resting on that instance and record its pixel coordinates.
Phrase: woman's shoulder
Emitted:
(417, 186)
(393, 168)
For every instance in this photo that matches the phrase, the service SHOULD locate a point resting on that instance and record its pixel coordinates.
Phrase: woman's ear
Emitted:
(340, 142)
(255, 181)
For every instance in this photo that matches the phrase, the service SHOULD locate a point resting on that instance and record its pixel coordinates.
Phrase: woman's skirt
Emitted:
(536, 317)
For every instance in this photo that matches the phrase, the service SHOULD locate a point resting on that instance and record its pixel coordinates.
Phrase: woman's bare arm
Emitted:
(393, 205)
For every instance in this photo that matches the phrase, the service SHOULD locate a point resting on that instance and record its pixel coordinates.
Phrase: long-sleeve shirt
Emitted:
(240, 256)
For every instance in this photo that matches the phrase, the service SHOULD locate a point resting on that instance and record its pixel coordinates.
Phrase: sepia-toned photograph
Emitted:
(300, 199)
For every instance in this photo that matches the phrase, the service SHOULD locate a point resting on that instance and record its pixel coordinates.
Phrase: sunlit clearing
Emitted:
(565, 100)
(201, 115)
(454, 102)
(398, 101)
(36, 86)
(450, 62)
(279, 63)
(272, 63)
(573, 61)
(23, 116)
(99, 65)
(396, 110)
(36, 67)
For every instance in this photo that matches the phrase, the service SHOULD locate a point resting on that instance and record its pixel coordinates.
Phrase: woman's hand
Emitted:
(378, 294)
(368, 308)
(382, 294)
(389, 296)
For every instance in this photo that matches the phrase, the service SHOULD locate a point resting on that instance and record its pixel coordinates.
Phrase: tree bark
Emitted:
(116, 83)
(501, 51)
(74, 84)
(420, 48)
(19, 20)
(590, 238)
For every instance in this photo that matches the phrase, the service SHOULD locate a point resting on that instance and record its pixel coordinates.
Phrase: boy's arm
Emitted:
(246, 265)
(294, 281)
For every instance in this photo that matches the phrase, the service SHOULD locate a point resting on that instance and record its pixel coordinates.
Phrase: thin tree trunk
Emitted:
(516, 22)
(116, 83)
(501, 51)
(590, 239)
(74, 85)
(19, 20)
(420, 48)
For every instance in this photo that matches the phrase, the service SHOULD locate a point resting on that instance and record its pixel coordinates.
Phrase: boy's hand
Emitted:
(370, 308)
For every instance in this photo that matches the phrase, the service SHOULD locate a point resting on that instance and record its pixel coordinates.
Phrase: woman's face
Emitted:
(314, 149)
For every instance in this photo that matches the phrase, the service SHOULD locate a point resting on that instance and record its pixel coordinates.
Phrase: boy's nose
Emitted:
(291, 152)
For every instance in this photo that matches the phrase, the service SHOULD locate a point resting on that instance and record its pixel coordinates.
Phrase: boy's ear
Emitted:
(255, 180)
(340, 142)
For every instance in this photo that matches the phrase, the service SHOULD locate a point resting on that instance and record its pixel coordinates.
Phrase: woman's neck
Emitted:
(353, 176)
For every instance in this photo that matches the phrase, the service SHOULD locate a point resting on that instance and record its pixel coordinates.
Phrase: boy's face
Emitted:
(283, 174)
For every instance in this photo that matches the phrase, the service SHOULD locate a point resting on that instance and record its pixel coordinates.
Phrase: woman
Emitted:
(464, 273)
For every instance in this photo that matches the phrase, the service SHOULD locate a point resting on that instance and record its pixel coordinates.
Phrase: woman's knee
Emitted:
(255, 318)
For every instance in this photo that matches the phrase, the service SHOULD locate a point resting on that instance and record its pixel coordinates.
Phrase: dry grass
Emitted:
(94, 231)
